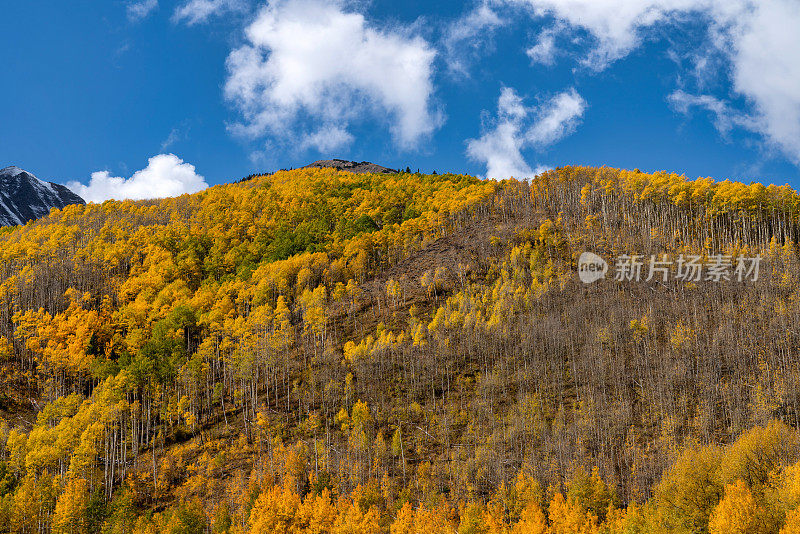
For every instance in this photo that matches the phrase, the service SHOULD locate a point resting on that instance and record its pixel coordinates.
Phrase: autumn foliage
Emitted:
(321, 351)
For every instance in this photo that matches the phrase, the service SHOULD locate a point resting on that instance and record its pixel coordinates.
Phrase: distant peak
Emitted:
(24, 197)
(351, 166)
(12, 171)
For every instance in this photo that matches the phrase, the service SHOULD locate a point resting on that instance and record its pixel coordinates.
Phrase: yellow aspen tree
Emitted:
(25, 509)
(494, 518)
(738, 512)
(393, 291)
(423, 519)
(316, 515)
(353, 520)
(314, 311)
(531, 521)
(274, 511)
(792, 523)
(568, 517)
(69, 516)
(690, 489)
(5, 349)
(404, 520)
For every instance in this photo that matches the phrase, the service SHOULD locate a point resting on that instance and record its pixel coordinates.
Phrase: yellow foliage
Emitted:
(411, 521)
(274, 511)
(690, 489)
(531, 521)
(213, 311)
(792, 524)
(738, 513)
(569, 517)
(70, 512)
(758, 452)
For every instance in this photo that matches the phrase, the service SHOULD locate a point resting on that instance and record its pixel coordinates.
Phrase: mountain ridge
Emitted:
(358, 167)
(24, 197)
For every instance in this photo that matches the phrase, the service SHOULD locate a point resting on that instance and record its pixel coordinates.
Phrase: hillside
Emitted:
(325, 351)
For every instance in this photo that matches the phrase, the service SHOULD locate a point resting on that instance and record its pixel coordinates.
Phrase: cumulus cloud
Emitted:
(308, 62)
(615, 25)
(757, 37)
(166, 175)
(500, 148)
(141, 9)
(763, 47)
(755, 40)
(199, 11)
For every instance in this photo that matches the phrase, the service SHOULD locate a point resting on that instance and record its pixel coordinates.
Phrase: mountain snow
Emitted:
(24, 197)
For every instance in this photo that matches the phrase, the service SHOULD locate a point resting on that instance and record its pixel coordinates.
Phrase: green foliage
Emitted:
(8, 481)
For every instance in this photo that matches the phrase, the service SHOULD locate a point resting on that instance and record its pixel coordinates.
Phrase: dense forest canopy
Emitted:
(322, 351)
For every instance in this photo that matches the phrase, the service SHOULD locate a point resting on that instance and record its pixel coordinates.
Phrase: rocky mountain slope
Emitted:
(351, 166)
(24, 197)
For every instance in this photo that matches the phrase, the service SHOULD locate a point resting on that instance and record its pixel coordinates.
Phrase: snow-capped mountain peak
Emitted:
(24, 197)
(11, 171)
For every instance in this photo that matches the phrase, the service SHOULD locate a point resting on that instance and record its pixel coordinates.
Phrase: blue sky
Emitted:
(147, 98)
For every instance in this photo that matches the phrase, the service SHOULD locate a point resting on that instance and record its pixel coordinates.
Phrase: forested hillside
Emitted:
(323, 351)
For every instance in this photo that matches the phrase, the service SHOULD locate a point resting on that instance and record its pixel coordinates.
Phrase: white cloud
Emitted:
(174, 136)
(756, 41)
(141, 9)
(683, 101)
(166, 175)
(764, 47)
(327, 139)
(557, 118)
(725, 117)
(616, 25)
(199, 11)
(468, 34)
(311, 62)
(500, 148)
(544, 51)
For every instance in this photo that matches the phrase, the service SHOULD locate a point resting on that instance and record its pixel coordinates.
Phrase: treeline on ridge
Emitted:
(314, 349)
